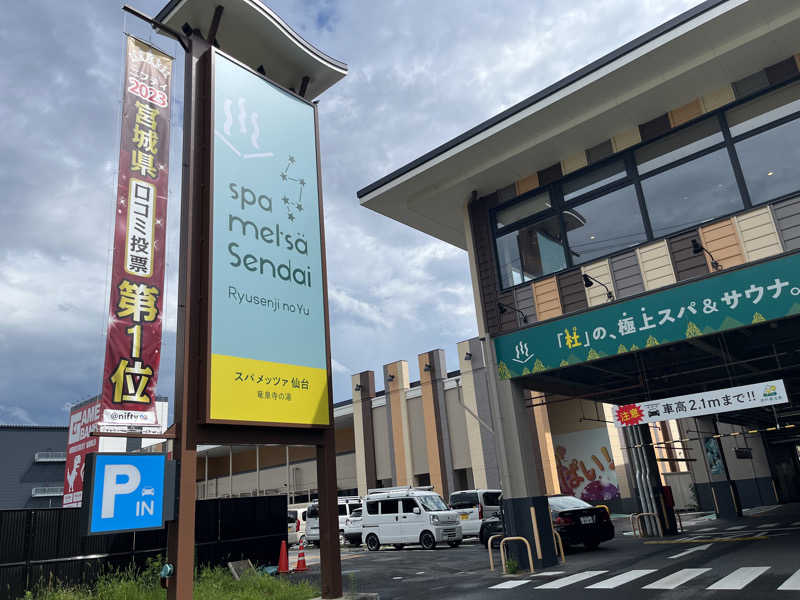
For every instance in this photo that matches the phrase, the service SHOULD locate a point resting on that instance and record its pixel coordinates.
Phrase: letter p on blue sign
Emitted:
(126, 492)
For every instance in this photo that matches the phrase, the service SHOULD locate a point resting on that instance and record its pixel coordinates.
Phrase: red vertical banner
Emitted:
(136, 311)
(82, 420)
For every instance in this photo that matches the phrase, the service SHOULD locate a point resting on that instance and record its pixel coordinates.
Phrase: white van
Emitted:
(473, 506)
(408, 515)
(300, 514)
(347, 504)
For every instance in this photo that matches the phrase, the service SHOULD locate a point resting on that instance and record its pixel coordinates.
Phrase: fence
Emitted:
(46, 545)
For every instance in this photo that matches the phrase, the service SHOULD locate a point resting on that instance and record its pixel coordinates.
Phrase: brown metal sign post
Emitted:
(195, 397)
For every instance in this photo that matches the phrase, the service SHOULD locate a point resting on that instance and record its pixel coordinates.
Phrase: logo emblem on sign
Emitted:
(523, 354)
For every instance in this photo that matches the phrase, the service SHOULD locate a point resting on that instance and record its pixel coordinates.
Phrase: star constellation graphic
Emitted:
(292, 206)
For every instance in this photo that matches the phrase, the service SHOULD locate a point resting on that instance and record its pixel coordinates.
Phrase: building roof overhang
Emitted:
(700, 51)
(255, 35)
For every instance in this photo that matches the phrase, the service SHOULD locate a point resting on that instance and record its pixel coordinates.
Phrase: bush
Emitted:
(211, 583)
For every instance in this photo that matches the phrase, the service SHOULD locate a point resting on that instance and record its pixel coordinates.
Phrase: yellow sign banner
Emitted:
(267, 392)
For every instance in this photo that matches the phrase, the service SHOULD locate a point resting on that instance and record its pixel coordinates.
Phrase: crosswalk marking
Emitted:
(738, 579)
(768, 525)
(706, 529)
(569, 580)
(793, 583)
(507, 585)
(548, 574)
(736, 528)
(670, 582)
(618, 580)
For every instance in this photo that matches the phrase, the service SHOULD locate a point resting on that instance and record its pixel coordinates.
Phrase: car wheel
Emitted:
(427, 540)
(454, 544)
(373, 544)
(399, 546)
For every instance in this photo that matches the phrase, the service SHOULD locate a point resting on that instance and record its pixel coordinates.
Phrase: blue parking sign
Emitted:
(127, 492)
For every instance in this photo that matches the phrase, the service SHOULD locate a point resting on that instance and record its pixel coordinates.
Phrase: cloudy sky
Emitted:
(421, 72)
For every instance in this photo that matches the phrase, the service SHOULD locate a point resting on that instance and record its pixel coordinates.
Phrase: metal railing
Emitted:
(41, 457)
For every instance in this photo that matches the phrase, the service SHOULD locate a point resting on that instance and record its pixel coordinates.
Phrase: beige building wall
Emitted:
(416, 421)
(383, 457)
(396, 386)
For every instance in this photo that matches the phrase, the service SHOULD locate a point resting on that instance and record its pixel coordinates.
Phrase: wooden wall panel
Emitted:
(523, 300)
(485, 260)
(656, 265)
(545, 296)
(688, 265)
(571, 291)
(758, 234)
(787, 218)
(601, 271)
(722, 240)
(626, 274)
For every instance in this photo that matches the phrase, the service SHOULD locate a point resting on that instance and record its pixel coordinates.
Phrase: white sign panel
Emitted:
(741, 397)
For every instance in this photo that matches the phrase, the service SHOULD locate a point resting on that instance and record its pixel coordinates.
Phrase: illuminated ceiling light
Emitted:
(591, 237)
(771, 173)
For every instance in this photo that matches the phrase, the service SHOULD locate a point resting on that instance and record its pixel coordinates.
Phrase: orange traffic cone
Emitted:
(301, 559)
(283, 561)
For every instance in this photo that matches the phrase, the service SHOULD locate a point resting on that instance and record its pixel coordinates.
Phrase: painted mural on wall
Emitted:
(754, 294)
(586, 468)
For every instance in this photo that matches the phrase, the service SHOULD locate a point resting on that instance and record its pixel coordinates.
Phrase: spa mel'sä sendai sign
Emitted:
(761, 292)
(268, 349)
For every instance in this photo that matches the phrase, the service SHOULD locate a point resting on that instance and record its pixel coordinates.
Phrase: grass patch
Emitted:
(211, 583)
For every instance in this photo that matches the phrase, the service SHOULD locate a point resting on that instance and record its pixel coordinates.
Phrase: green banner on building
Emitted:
(762, 292)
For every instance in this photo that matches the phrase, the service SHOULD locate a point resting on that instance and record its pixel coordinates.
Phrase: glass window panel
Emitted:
(521, 210)
(604, 225)
(691, 193)
(389, 507)
(530, 252)
(769, 162)
(594, 179)
(510, 261)
(764, 109)
(678, 145)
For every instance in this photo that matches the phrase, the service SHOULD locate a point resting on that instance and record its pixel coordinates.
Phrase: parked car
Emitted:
(473, 506)
(293, 524)
(302, 518)
(347, 504)
(576, 521)
(352, 528)
(408, 515)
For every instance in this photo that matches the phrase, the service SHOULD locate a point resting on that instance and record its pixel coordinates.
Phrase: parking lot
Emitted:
(757, 554)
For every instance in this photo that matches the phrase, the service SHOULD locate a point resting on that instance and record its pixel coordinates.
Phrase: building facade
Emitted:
(32, 468)
(633, 234)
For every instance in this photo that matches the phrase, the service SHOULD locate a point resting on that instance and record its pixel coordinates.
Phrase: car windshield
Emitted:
(463, 499)
(567, 503)
(432, 502)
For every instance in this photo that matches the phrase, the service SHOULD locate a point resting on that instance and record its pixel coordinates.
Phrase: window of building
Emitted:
(534, 250)
(678, 145)
(604, 225)
(770, 162)
(388, 507)
(593, 179)
(523, 209)
(691, 193)
(764, 109)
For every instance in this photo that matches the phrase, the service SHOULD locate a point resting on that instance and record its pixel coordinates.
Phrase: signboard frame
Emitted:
(168, 512)
(204, 413)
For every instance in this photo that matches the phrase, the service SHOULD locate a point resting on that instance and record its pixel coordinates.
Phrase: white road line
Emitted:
(736, 528)
(738, 579)
(795, 524)
(706, 529)
(507, 585)
(565, 581)
(793, 583)
(670, 582)
(547, 574)
(768, 525)
(690, 550)
(614, 582)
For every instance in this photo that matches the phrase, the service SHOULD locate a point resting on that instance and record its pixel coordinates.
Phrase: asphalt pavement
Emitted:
(757, 555)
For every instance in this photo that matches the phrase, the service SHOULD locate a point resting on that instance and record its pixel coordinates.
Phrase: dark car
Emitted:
(576, 521)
